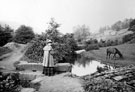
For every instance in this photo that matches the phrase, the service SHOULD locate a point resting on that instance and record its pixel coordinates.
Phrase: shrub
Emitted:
(105, 85)
(24, 34)
(5, 35)
(12, 82)
(128, 37)
(9, 82)
(63, 45)
(63, 50)
(92, 47)
(35, 52)
(91, 41)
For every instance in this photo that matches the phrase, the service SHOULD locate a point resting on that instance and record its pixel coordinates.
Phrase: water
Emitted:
(81, 69)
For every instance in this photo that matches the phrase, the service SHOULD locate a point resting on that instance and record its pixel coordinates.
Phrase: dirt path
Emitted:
(61, 83)
(12, 58)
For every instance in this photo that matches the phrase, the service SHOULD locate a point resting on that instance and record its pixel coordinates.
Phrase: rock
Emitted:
(80, 51)
(28, 90)
(37, 80)
(30, 66)
(118, 78)
(29, 75)
(63, 67)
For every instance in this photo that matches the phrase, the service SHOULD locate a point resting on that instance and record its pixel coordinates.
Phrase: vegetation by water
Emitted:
(106, 85)
(64, 46)
(12, 82)
(117, 80)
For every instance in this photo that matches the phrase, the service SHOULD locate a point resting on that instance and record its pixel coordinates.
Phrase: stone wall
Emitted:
(117, 80)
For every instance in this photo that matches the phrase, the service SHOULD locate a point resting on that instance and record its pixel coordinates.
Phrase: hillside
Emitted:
(8, 59)
(111, 34)
(128, 51)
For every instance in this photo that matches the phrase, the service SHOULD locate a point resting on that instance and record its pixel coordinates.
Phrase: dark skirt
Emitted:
(48, 71)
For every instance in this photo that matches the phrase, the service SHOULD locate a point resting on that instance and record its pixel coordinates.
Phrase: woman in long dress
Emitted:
(48, 62)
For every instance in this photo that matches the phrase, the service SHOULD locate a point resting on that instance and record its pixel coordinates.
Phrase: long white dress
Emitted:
(48, 58)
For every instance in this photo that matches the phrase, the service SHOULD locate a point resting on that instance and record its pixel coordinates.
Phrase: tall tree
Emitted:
(5, 35)
(52, 31)
(81, 33)
(132, 25)
(24, 34)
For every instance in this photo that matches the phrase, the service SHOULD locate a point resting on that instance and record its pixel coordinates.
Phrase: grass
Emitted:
(128, 51)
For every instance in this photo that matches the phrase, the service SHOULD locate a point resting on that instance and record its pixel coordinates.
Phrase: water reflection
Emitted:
(89, 68)
(86, 65)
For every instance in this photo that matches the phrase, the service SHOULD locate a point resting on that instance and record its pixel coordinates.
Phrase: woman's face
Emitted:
(49, 43)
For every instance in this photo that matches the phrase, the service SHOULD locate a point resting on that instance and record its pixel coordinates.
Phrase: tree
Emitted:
(5, 35)
(52, 31)
(64, 46)
(117, 26)
(132, 25)
(121, 24)
(24, 34)
(81, 33)
(103, 29)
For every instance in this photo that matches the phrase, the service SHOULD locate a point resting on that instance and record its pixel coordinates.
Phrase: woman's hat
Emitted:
(48, 41)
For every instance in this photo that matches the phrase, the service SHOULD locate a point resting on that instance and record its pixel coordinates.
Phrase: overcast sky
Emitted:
(69, 13)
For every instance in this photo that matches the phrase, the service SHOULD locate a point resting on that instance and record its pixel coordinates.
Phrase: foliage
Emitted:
(128, 37)
(119, 25)
(65, 50)
(35, 52)
(81, 33)
(91, 41)
(9, 82)
(132, 25)
(52, 31)
(105, 85)
(63, 46)
(92, 47)
(109, 43)
(91, 44)
(102, 29)
(5, 35)
(24, 34)
(12, 82)
(102, 43)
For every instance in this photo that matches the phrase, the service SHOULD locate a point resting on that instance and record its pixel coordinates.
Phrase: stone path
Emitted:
(14, 56)
(120, 78)
(61, 83)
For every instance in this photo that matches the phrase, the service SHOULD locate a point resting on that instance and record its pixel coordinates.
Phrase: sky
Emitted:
(68, 13)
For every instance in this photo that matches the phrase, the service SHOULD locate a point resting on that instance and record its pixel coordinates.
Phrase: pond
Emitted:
(85, 68)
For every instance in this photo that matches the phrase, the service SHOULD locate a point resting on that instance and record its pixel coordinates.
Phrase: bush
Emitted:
(105, 85)
(64, 46)
(35, 52)
(91, 41)
(9, 82)
(5, 35)
(128, 37)
(63, 50)
(24, 34)
(92, 47)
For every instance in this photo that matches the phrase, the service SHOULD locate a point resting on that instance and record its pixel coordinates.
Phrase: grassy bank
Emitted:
(128, 51)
